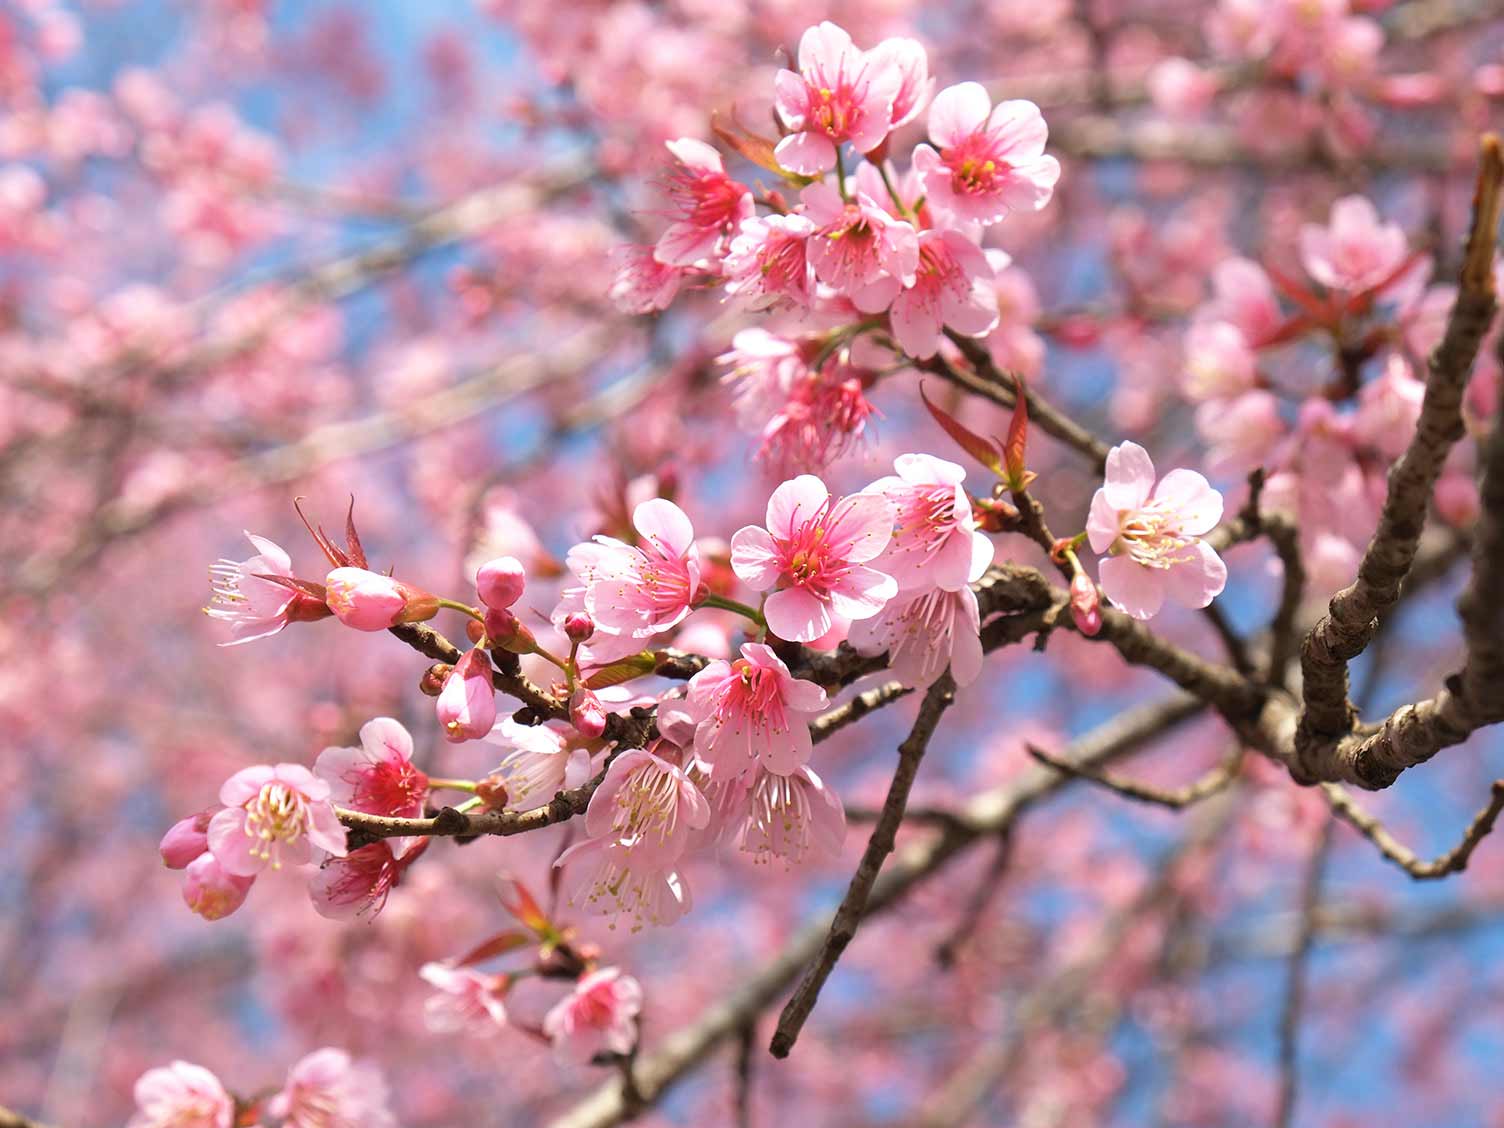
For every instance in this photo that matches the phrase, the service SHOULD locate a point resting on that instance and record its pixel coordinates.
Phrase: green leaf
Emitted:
(634, 666)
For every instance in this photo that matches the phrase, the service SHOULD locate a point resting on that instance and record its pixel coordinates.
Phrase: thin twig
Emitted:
(853, 906)
(1177, 799)
(1293, 1008)
(976, 906)
(1453, 861)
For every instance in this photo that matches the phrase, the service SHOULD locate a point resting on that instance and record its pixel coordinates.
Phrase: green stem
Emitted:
(451, 784)
(465, 608)
(882, 170)
(720, 602)
(470, 804)
(841, 175)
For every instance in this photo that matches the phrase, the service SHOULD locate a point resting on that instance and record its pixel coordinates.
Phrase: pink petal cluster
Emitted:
(181, 1095)
(752, 713)
(598, 1016)
(538, 764)
(936, 542)
(359, 883)
(379, 777)
(327, 1089)
(464, 1000)
(1355, 251)
(858, 248)
(925, 632)
(1153, 535)
(794, 817)
(768, 263)
(814, 551)
(839, 95)
(952, 288)
(253, 607)
(708, 205)
(649, 807)
(274, 815)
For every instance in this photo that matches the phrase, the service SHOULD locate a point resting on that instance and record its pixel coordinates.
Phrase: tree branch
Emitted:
(1453, 861)
(1293, 1008)
(1181, 797)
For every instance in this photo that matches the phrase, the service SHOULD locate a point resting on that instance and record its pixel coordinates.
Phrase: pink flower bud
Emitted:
(587, 714)
(211, 891)
(499, 582)
(187, 839)
(369, 601)
(1086, 607)
(579, 627)
(505, 630)
(432, 682)
(466, 705)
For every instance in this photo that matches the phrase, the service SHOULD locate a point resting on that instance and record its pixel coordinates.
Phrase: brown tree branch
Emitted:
(1453, 861)
(1177, 799)
(1293, 1008)
(9, 1119)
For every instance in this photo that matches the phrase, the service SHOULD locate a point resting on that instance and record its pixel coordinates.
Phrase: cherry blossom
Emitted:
(709, 205)
(255, 607)
(360, 882)
(839, 95)
(327, 1089)
(858, 248)
(182, 1095)
(952, 289)
(649, 807)
(768, 264)
(752, 712)
(464, 1000)
(925, 631)
(379, 777)
(212, 891)
(935, 539)
(602, 876)
(273, 815)
(369, 601)
(1354, 251)
(466, 705)
(794, 817)
(598, 1016)
(539, 762)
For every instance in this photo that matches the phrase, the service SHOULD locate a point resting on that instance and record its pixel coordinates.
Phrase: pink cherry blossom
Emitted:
(991, 159)
(935, 539)
(369, 601)
(952, 287)
(840, 94)
(327, 1089)
(1243, 295)
(752, 711)
(1218, 361)
(379, 777)
(466, 706)
(586, 713)
(768, 262)
(602, 876)
(642, 284)
(211, 891)
(911, 62)
(360, 882)
(539, 762)
(1389, 408)
(1354, 251)
(923, 631)
(708, 205)
(649, 806)
(598, 1016)
(465, 1000)
(814, 550)
(636, 592)
(794, 817)
(1153, 535)
(858, 249)
(182, 1095)
(500, 582)
(257, 608)
(186, 839)
(273, 815)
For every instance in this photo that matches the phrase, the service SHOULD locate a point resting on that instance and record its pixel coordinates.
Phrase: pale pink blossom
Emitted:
(466, 705)
(858, 249)
(1241, 432)
(326, 1089)
(181, 1095)
(253, 607)
(186, 839)
(768, 262)
(952, 287)
(636, 592)
(360, 882)
(465, 1000)
(370, 601)
(991, 159)
(840, 94)
(814, 550)
(598, 1016)
(1153, 534)
(539, 762)
(915, 86)
(586, 713)
(752, 711)
(924, 631)
(273, 815)
(1218, 361)
(1389, 408)
(648, 806)
(1243, 295)
(379, 777)
(936, 542)
(708, 205)
(601, 876)
(1179, 88)
(210, 890)
(1354, 251)
(794, 817)
(640, 283)
(500, 582)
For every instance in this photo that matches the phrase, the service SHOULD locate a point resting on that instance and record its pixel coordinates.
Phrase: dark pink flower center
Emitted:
(388, 787)
(975, 165)
(808, 560)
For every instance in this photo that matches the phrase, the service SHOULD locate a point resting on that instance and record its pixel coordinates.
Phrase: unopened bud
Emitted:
(500, 582)
(1086, 606)
(587, 714)
(493, 792)
(431, 684)
(474, 631)
(369, 601)
(995, 514)
(466, 706)
(579, 627)
(186, 840)
(505, 630)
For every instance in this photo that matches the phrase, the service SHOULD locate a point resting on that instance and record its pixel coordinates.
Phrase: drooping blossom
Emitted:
(640, 283)
(794, 817)
(379, 777)
(991, 160)
(752, 712)
(936, 542)
(768, 262)
(586, 713)
(326, 1089)
(538, 764)
(466, 706)
(598, 1016)
(181, 1095)
(815, 550)
(274, 815)
(254, 607)
(370, 601)
(952, 287)
(636, 592)
(1153, 535)
(708, 205)
(500, 582)
(360, 882)
(840, 94)
(601, 877)
(464, 1000)
(923, 632)
(1355, 251)
(210, 890)
(858, 249)
(649, 806)
(908, 58)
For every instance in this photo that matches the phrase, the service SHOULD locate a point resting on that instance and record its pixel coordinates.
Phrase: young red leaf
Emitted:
(498, 945)
(1016, 448)
(983, 450)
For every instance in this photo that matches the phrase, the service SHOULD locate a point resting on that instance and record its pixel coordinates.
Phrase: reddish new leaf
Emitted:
(498, 945)
(983, 450)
